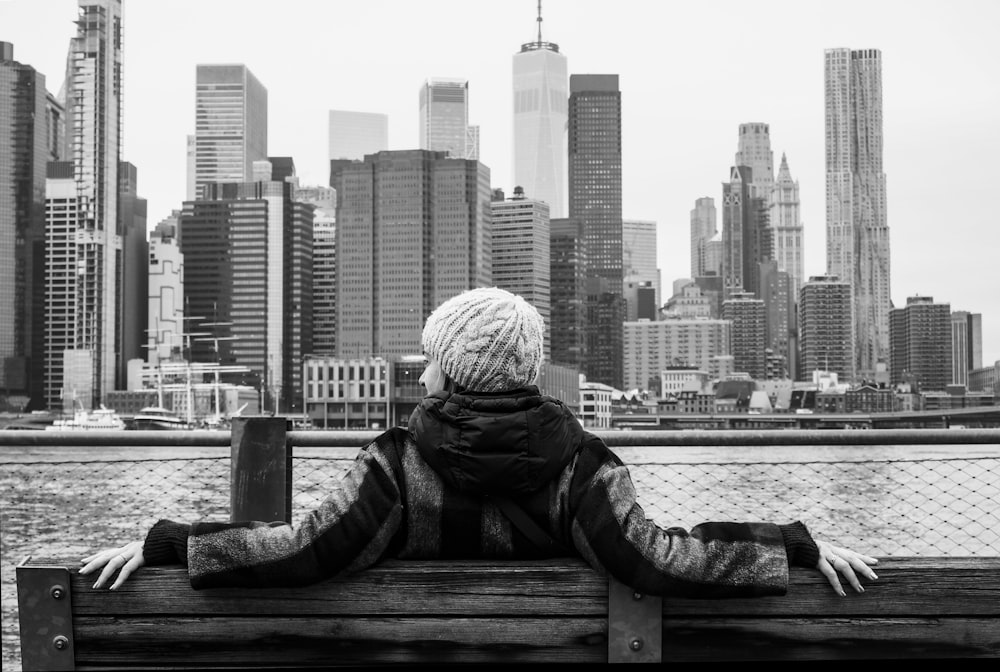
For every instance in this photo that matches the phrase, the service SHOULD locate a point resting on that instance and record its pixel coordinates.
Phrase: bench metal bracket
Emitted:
(46, 619)
(635, 625)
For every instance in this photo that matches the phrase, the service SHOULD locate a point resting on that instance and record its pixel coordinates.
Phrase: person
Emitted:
(488, 467)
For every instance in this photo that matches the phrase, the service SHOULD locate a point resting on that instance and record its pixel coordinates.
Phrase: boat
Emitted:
(100, 419)
(157, 417)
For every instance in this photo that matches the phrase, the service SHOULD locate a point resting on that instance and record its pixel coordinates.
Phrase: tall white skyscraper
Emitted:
(444, 119)
(754, 151)
(703, 230)
(857, 232)
(541, 98)
(83, 231)
(639, 259)
(354, 134)
(230, 124)
(786, 226)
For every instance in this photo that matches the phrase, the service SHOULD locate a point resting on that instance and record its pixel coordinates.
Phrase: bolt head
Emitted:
(635, 644)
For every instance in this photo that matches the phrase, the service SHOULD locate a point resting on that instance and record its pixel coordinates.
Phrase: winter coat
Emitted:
(427, 492)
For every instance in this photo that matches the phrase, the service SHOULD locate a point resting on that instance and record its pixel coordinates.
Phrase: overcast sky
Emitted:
(690, 74)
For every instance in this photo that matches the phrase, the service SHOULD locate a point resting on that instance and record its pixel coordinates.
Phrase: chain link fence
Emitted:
(948, 506)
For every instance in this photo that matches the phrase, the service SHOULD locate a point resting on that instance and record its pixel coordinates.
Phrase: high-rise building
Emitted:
(521, 255)
(134, 267)
(651, 347)
(779, 317)
(785, 220)
(230, 124)
(165, 329)
(857, 231)
(754, 152)
(703, 230)
(24, 150)
(540, 119)
(354, 134)
(748, 317)
(248, 269)
(444, 119)
(920, 335)
(324, 267)
(825, 328)
(639, 263)
(568, 292)
(84, 219)
(595, 200)
(413, 230)
(966, 345)
(746, 236)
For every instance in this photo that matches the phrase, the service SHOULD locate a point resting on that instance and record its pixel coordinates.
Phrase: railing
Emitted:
(927, 493)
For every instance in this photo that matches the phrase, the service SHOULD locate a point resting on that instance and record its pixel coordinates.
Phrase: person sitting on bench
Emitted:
(488, 467)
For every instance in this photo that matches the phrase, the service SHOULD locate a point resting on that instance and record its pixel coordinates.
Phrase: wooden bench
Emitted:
(476, 612)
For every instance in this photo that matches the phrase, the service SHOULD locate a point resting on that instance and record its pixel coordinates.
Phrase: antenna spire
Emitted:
(539, 19)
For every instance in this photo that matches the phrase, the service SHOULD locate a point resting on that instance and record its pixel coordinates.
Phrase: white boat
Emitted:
(102, 419)
(157, 417)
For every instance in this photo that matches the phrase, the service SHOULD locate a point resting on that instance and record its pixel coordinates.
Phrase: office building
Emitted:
(83, 224)
(825, 328)
(754, 152)
(521, 254)
(324, 256)
(595, 201)
(354, 134)
(568, 292)
(541, 96)
(703, 231)
(780, 330)
(966, 345)
(785, 220)
(134, 267)
(652, 347)
(230, 124)
(746, 235)
(920, 334)
(248, 271)
(444, 119)
(24, 150)
(413, 230)
(857, 230)
(165, 328)
(639, 263)
(747, 315)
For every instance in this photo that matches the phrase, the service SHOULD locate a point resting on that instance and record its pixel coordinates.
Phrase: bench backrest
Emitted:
(538, 611)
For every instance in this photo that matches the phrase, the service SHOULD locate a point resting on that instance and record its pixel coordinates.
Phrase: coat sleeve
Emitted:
(717, 559)
(350, 530)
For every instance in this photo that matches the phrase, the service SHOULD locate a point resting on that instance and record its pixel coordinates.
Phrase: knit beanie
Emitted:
(486, 340)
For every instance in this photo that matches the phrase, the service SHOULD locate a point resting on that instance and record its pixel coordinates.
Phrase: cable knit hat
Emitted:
(486, 340)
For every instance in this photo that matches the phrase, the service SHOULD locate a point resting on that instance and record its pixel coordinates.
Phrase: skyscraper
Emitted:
(166, 291)
(857, 232)
(785, 221)
(540, 117)
(754, 151)
(413, 230)
(354, 134)
(230, 124)
(595, 201)
(568, 277)
(920, 335)
(444, 119)
(134, 266)
(746, 237)
(747, 315)
(521, 255)
(703, 230)
(639, 262)
(825, 328)
(24, 144)
(248, 264)
(85, 224)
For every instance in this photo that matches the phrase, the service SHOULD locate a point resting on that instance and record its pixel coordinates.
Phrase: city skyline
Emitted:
(688, 79)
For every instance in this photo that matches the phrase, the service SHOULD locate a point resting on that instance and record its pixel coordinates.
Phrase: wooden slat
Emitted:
(566, 587)
(270, 641)
(735, 639)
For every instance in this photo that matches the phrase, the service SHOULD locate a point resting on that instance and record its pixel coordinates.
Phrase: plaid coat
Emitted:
(425, 492)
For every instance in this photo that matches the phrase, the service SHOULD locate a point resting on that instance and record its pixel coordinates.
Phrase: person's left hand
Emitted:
(835, 562)
(124, 560)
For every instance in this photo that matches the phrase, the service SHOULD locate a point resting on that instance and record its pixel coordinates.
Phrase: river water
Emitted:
(66, 502)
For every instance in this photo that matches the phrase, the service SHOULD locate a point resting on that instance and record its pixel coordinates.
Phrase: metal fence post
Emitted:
(261, 481)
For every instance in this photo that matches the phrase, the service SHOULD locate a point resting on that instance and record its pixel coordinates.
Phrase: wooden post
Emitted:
(261, 482)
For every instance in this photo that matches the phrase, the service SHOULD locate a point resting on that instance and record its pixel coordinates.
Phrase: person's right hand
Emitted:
(124, 560)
